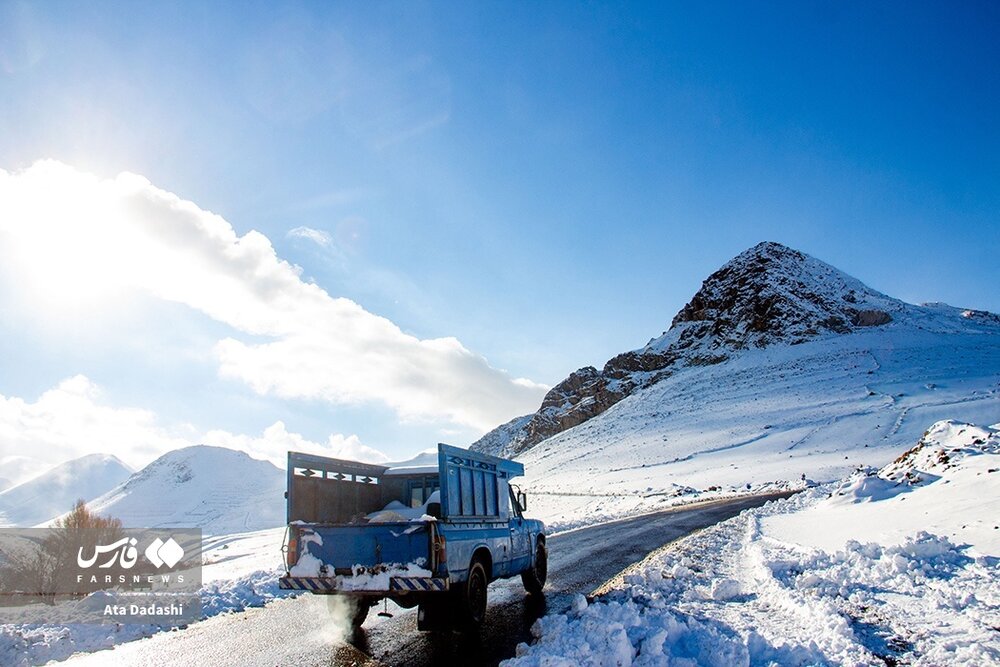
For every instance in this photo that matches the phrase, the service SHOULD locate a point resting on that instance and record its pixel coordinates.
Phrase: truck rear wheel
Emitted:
(474, 596)
(534, 578)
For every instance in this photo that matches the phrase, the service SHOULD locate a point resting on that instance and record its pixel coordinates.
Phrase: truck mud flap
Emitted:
(397, 584)
(306, 584)
(418, 584)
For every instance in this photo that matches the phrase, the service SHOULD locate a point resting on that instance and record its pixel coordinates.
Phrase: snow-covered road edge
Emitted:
(631, 508)
(735, 594)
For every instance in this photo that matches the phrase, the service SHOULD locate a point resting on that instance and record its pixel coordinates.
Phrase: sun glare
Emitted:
(66, 240)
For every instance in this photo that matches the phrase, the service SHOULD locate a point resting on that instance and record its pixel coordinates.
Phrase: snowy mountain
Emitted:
(510, 438)
(54, 491)
(220, 490)
(781, 368)
(769, 295)
(17, 469)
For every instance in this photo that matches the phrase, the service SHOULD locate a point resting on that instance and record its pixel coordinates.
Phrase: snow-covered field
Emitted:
(895, 566)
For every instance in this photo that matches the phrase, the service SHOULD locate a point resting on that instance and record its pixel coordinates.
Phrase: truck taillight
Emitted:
(292, 548)
(440, 549)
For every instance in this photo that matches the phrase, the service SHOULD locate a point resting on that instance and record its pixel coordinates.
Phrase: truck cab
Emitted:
(430, 536)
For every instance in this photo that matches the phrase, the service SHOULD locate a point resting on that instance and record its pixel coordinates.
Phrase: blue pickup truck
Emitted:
(430, 536)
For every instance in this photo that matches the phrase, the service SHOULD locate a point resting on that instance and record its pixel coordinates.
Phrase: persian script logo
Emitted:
(159, 553)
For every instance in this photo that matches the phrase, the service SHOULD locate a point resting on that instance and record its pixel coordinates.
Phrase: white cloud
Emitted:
(276, 441)
(70, 420)
(74, 236)
(73, 419)
(317, 236)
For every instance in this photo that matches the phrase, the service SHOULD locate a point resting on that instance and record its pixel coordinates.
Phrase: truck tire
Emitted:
(534, 577)
(474, 596)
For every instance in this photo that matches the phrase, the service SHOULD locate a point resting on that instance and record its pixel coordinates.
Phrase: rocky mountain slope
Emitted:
(766, 296)
(220, 490)
(54, 491)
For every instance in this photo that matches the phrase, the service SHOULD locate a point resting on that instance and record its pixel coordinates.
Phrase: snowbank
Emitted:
(757, 590)
(948, 484)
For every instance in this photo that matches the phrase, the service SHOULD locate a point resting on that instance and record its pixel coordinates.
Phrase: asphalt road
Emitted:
(302, 631)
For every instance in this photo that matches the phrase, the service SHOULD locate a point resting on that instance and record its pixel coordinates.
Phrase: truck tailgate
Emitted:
(345, 547)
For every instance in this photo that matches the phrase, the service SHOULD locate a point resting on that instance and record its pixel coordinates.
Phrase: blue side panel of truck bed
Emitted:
(474, 485)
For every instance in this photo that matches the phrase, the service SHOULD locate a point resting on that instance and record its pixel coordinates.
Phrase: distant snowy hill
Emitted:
(428, 457)
(780, 368)
(220, 490)
(769, 295)
(16, 469)
(54, 491)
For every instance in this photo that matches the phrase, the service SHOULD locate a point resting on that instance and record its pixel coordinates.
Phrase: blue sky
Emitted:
(546, 183)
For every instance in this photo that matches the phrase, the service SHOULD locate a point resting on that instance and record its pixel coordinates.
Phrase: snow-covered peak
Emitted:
(428, 457)
(768, 296)
(53, 492)
(218, 489)
(17, 468)
(91, 461)
(180, 465)
(772, 293)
